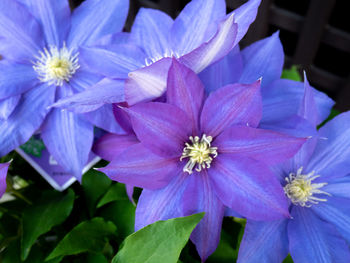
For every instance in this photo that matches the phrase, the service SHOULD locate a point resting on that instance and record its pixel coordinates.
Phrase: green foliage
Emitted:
(292, 73)
(34, 147)
(89, 236)
(159, 242)
(115, 192)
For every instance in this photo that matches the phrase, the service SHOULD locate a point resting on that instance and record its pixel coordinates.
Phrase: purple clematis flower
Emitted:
(202, 34)
(40, 41)
(195, 154)
(316, 181)
(3, 172)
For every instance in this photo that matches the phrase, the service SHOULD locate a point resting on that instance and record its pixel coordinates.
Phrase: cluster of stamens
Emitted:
(199, 152)
(55, 66)
(300, 189)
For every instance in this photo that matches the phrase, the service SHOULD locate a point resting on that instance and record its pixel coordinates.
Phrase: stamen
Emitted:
(300, 189)
(199, 151)
(55, 66)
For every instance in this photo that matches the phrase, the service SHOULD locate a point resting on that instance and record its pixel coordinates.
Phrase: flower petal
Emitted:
(314, 240)
(68, 137)
(196, 24)
(7, 106)
(213, 50)
(147, 83)
(336, 211)
(111, 145)
(244, 16)
(265, 242)
(186, 91)
(26, 118)
(94, 19)
(3, 173)
(114, 61)
(162, 128)
(140, 167)
(237, 104)
(266, 146)
(20, 34)
(281, 97)
(106, 91)
(151, 30)
(332, 153)
(263, 59)
(226, 71)
(200, 197)
(161, 204)
(248, 187)
(54, 18)
(338, 187)
(16, 79)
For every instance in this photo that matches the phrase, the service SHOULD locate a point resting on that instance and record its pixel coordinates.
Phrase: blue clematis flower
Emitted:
(316, 181)
(195, 154)
(202, 34)
(3, 172)
(40, 41)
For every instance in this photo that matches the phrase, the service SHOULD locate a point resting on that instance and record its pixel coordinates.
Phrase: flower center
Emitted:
(55, 66)
(300, 189)
(199, 152)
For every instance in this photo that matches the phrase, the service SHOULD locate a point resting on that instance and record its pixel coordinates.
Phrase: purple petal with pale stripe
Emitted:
(3, 173)
(151, 30)
(262, 145)
(314, 240)
(68, 137)
(20, 33)
(200, 196)
(196, 24)
(7, 106)
(93, 19)
(162, 204)
(213, 50)
(308, 109)
(140, 167)
(16, 79)
(186, 91)
(263, 59)
(148, 83)
(26, 118)
(264, 242)
(122, 117)
(236, 104)
(248, 187)
(111, 145)
(162, 128)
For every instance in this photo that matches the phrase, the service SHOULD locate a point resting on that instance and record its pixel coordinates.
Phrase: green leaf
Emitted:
(291, 73)
(96, 258)
(159, 242)
(88, 236)
(95, 184)
(39, 218)
(288, 259)
(33, 146)
(115, 192)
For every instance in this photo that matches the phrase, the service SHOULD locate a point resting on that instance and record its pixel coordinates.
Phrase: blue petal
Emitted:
(3, 173)
(339, 187)
(26, 118)
(199, 197)
(16, 79)
(7, 106)
(54, 18)
(335, 210)
(226, 71)
(264, 242)
(150, 30)
(95, 18)
(244, 16)
(20, 34)
(332, 153)
(196, 24)
(282, 97)
(264, 59)
(68, 137)
(162, 204)
(314, 240)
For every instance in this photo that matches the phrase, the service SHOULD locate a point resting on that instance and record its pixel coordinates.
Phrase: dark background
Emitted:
(315, 35)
